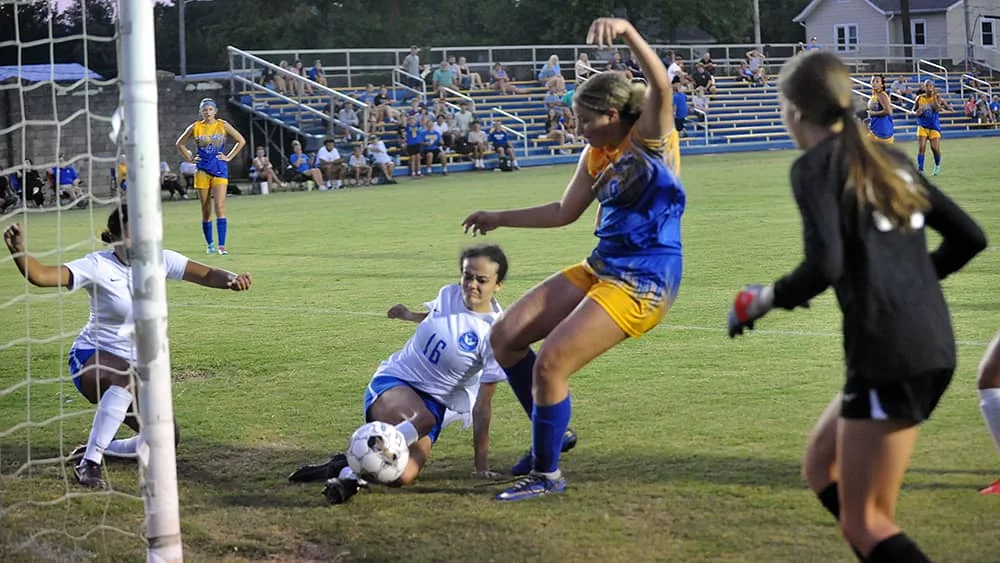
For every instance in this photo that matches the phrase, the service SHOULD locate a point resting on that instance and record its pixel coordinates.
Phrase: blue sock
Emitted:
(206, 228)
(548, 425)
(519, 376)
(920, 162)
(221, 224)
(937, 160)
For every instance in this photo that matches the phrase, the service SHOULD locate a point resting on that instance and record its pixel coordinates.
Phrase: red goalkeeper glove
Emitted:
(751, 303)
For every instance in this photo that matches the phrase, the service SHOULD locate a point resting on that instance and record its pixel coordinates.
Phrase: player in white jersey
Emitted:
(441, 368)
(102, 356)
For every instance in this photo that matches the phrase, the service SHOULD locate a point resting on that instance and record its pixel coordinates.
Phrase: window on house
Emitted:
(918, 32)
(847, 37)
(986, 33)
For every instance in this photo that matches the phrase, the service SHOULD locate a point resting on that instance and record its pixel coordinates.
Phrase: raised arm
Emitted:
(181, 143)
(403, 313)
(575, 200)
(35, 272)
(217, 278)
(657, 119)
(238, 137)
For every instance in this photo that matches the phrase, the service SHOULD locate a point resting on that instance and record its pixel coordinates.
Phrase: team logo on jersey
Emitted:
(468, 341)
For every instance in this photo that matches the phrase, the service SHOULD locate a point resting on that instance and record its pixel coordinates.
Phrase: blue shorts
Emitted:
(78, 358)
(382, 383)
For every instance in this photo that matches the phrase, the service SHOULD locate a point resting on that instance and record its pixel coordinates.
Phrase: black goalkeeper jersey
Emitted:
(896, 323)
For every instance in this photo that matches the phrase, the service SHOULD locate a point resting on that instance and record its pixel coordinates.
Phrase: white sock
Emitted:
(451, 417)
(111, 411)
(989, 405)
(347, 473)
(125, 447)
(409, 432)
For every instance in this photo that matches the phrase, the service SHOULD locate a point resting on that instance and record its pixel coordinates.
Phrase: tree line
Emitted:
(211, 25)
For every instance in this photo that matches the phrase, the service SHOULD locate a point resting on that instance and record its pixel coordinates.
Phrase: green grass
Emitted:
(690, 443)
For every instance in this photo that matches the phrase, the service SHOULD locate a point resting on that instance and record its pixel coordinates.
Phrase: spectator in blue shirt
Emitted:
(680, 106)
(432, 148)
(302, 166)
(413, 138)
(501, 145)
(66, 181)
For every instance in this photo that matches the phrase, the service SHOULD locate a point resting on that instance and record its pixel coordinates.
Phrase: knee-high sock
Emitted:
(125, 447)
(222, 225)
(830, 499)
(111, 411)
(548, 424)
(206, 229)
(896, 549)
(989, 405)
(519, 376)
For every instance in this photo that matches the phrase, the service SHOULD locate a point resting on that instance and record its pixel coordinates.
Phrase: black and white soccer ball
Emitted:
(378, 452)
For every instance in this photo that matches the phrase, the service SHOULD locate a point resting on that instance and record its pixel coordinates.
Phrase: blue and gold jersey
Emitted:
(210, 138)
(881, 126)
(930, 118)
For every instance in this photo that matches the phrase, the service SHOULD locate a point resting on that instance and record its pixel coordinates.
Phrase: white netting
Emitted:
(47, 110)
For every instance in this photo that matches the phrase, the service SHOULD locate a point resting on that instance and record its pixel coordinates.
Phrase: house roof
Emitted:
(889, 7)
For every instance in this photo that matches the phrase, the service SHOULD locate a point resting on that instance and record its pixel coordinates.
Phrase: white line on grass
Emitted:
(328, 311)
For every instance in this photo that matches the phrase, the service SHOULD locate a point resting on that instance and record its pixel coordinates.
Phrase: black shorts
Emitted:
(435, 152)
(413, 150)
(911, 399)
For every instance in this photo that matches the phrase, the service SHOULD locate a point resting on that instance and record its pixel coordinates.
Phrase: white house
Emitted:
(873, 28)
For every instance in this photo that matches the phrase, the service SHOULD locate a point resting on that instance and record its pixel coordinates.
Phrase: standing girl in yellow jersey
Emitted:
(928, 109)
(212, 177)
(630, 279)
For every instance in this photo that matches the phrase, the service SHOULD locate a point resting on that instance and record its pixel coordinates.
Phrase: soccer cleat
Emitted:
(523, 465)
(77, 455)
(89, 474)
(320, 471)
(937, 169)
(339, 491)
(993, 489)
(223, 251)
(532, 486)
(210, 249)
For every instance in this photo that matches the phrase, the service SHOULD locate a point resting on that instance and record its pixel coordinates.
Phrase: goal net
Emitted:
(75, 75)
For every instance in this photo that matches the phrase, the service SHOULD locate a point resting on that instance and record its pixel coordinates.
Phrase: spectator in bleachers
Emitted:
(281, 80)
(443, 78)
(755, 62)
(618, 64)
(983, 108)
(582, 68)
(555, 127)
(262, 167)
(431, 148)
(901, 89)
(170, 181)
(317, 74)
(8, 198)
(444, 131)
(703, 79)
(478, 144)
(121, 174)
(267, 78)
(65, 181)
(463, 120)
(680, 106)
(380, 156)
(707, 63)
(441, 107)
(359, 167)
(32, 187)
(633, 67)
(301, 166)
(813, 45)
(188, 171)
(411, 65)
(413, 139)
(700, 101)
(475, 81)
(301, 87)
(502, 146)
(383, 110)
(368, 96)
(744, 74)
(331, 164)
(970, 107)
(500, 80)
(995, 106)
(553, 99)
(551, 75)
(348, 117)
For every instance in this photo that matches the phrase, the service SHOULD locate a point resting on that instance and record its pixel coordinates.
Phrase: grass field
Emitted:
(690, 443)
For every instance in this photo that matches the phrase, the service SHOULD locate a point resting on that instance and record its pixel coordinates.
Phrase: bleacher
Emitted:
(740, 118)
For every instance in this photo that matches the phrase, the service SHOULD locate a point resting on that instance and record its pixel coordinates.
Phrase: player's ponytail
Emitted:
(116, 225)
(875, 178)
(612, 90)
(819, 86)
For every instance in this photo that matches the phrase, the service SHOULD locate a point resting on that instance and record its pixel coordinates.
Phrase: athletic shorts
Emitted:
(929, 133)
(910, 400)
(435, 152)
(382, 383)
(78, 357)
(632, 313)
(203, 180)
(672, 152)
(413, 150)
(886, 140)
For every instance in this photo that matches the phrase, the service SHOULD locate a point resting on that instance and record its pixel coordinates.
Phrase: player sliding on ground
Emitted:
(629, 281)
(864, 209)
(102, 356)
(446, 367)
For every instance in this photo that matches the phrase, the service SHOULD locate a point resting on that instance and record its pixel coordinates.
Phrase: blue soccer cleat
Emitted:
(532, 486)
(211, 248)
(523, 465)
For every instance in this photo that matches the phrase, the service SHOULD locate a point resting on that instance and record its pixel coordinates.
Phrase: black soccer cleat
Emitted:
(89, 474)
(339, 491)
(320, 471)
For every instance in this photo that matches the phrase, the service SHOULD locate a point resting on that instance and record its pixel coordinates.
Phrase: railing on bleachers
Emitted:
(703, 122)
(866, 95)
(243, 64)
(934, 71)
(398, 82)
(981, 87)
(461, 96)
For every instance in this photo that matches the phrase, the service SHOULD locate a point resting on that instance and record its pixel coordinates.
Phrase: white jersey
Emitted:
(449, 353)
(109, 283)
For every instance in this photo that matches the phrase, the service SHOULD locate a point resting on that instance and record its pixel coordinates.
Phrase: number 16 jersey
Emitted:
(448, 352)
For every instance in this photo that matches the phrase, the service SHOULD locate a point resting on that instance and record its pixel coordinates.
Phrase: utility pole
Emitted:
(756, 24)
(904, 8)
(182, 43)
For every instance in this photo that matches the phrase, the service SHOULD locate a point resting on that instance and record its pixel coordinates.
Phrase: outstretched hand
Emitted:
(13, 237)
(604, 31)
(751, 303)
(399, 311)
(481, 222)
(240, 282)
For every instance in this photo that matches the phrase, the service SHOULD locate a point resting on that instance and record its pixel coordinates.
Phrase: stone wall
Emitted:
(85, 140)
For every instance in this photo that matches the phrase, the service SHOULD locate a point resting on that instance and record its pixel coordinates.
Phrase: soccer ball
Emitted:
(378, 452)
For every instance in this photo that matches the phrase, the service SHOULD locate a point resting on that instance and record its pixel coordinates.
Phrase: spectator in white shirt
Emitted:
(378, 152)
(463, 121)
(329, 161)
(347, 117)
(360, 168)
(477, 142)
(442, 128)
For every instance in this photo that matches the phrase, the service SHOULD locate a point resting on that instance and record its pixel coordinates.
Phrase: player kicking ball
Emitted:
(443, 373)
